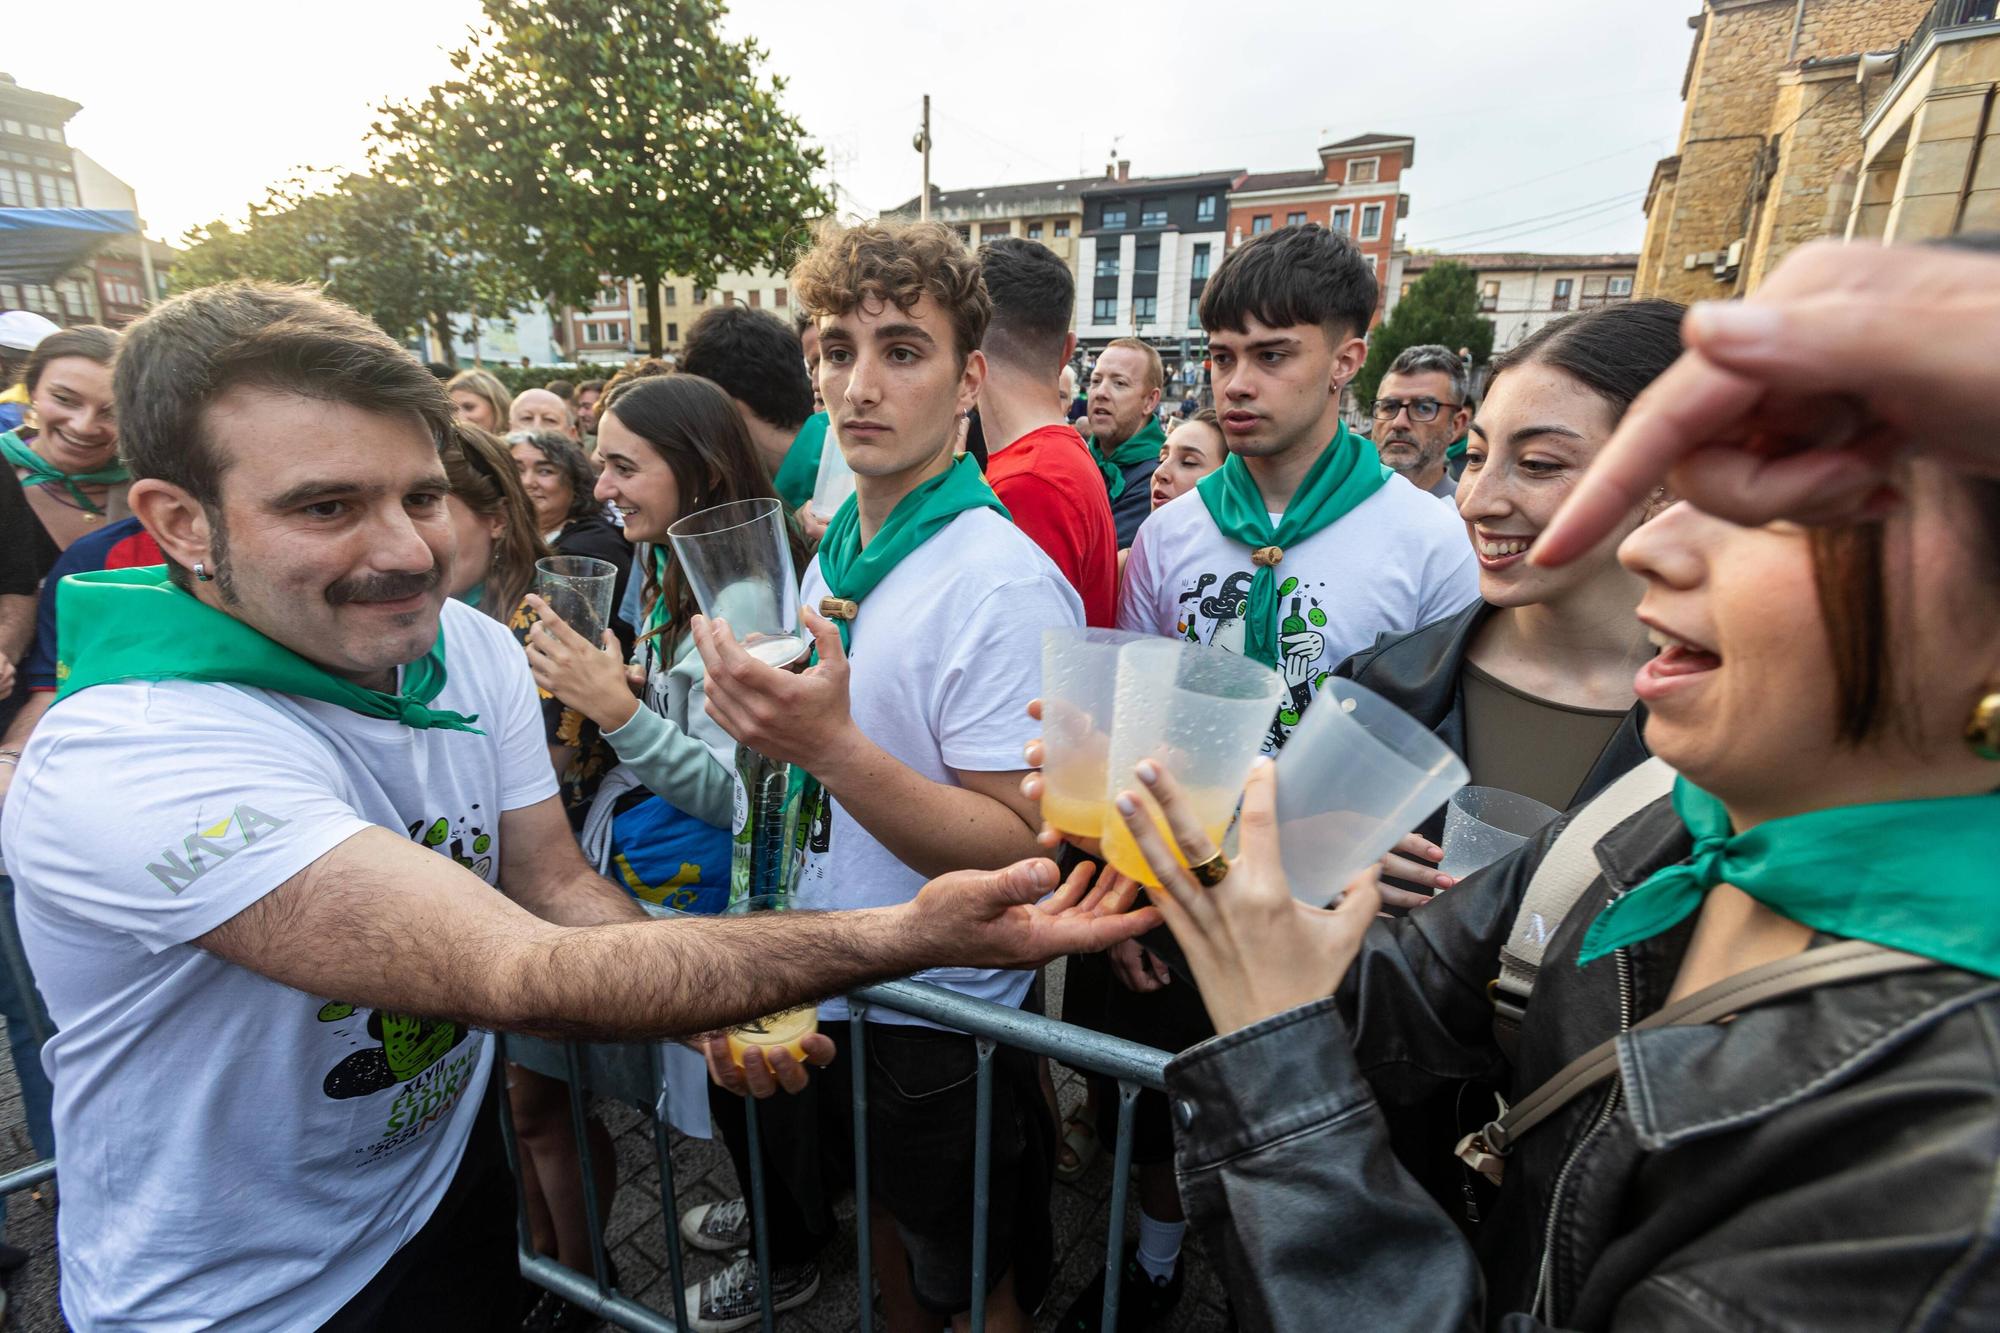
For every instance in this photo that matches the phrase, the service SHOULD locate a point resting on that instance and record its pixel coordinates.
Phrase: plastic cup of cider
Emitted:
(788, 1028)
(1079, 689)
(1199, 712)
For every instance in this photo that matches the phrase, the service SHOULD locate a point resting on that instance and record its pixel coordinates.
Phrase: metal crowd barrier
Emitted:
(992, 1025)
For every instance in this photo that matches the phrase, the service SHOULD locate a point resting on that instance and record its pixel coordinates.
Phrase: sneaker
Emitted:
(727, 1301)
(719, 1228)
(1143, 1300)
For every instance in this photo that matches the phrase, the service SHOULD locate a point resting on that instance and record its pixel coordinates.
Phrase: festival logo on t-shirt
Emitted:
(1212, 608)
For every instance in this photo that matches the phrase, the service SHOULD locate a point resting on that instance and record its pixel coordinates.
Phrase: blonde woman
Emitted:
(478, 396)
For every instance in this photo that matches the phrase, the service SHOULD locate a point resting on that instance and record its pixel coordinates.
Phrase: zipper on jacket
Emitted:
(1545, 1281)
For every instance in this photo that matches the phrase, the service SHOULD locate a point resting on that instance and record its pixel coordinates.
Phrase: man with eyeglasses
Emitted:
(1420, 412)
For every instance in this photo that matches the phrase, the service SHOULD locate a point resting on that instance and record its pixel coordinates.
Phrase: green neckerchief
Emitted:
(1456, 449)
(474, 595)
(1346, 473)
(659, 614)
(852, 572)
(1911, 875)
(800, 470)
(135, 624)
(41, 472)
(1141, 447)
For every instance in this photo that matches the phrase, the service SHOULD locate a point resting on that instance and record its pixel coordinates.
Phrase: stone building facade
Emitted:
(1770, 141)
(1930, 154)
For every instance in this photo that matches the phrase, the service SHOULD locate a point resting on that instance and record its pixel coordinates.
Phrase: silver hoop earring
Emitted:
(201, 575)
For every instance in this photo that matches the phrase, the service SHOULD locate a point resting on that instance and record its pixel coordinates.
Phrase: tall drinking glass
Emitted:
(738, 560)
(1483, 824)
(578, 589)
(1199, 712)
(787, 1029)
(1356, 776)
(1079, 694)
(835, 481)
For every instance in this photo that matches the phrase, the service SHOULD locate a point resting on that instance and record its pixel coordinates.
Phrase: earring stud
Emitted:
(1982, 733)
(201, 574)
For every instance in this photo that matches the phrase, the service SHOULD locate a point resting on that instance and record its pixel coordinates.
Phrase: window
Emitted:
(1561, 299)
(10, 193)
(1621, 286)
(673, 333)
(728, 297)
(1194, 312)
(1489, 296)
(1104, 310)
(1364, 170)
(1145, 309)
(784, 296)
(610, 294)
(1198, 263)
(1372, 265)
(1107, 265)
(756, 299)
(1204, 208)
(673, 295)
(1153, 213)
(36, 132)
(75, 299)
(1371, 221)
(1260, 224)
(13, 126)
(1034, 231)
(55, 134)
(994, 233)
(1343, 220)
(1113, 218)
(700, 294)
(1146, 258)
(1295, 219)
(1062, 229)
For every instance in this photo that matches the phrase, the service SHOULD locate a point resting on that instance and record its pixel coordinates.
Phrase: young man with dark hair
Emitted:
(911, 727)
(587, 395)
(1125, 430)
(755, 357)
(1298, 551)
(1039, 467)
(275, 968)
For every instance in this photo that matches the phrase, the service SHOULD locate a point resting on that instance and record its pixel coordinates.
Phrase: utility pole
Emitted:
(922, 143)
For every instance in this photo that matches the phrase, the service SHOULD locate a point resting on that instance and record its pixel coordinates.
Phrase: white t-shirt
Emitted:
(235, 1153)
(947, 654)
(1394, 562)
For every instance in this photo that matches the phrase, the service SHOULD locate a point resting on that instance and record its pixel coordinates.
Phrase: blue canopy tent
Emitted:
(42, 244)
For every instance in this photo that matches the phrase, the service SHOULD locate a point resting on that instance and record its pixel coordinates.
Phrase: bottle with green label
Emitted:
(760, 863)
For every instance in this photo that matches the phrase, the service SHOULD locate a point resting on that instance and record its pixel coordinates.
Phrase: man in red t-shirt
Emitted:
(1040, 468)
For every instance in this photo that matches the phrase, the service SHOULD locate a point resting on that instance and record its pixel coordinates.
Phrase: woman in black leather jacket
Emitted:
(1829, 1160)
(1532, 684)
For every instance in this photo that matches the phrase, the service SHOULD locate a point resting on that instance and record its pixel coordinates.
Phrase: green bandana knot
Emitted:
(41, 472)
(1146, 444)
(1911, 875)
(1345, 473)
(137, 624)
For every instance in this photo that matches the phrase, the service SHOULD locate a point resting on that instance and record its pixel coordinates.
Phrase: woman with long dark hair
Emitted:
(559, 481)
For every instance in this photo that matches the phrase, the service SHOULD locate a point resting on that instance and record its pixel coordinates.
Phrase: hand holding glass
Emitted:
(737, 558)
(788, 1029)
(578, 589)
(1079, 692)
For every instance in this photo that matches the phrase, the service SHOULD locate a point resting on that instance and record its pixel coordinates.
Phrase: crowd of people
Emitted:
(272, 581)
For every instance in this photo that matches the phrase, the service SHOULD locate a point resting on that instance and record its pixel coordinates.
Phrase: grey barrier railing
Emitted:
(991, 1025)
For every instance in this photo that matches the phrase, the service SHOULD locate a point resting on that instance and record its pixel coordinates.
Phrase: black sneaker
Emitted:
(719, 1228)
(1143, 1300)
(727, 1301)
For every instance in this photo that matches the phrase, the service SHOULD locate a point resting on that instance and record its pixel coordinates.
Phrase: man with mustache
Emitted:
(277, 962)
(1420, 413)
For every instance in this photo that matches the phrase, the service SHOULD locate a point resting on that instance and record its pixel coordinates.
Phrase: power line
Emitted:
(1547, 175)
(1560, 215)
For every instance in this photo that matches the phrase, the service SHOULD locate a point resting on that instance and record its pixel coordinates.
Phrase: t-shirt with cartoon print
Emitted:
(1396, 561)
(238, 1154)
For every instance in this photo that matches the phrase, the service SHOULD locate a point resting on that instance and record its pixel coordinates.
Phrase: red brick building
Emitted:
(1356, 189)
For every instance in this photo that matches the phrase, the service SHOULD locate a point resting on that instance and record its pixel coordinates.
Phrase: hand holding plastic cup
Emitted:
(1079, 691)
(737, 558)
(1357, 774)
(1199, 712)
(788, 1029)
(1483, 824)
(578, 589)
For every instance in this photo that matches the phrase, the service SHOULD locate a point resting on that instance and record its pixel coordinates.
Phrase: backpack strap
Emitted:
(1850, 960)
(1566, 870)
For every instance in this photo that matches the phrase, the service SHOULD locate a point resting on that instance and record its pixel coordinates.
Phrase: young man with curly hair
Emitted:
(926, 607)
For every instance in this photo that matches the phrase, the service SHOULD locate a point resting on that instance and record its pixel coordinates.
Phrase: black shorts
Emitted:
(1170, 1019)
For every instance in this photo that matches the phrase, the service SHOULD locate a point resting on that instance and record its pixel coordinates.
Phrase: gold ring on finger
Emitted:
(1211, 872)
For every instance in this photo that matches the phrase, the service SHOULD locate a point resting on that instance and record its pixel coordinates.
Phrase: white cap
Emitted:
(23, 330)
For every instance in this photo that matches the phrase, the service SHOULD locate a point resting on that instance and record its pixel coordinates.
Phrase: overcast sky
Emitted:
(1537, 122)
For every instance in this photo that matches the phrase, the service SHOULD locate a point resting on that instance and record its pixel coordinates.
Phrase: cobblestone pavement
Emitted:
(639, 1233)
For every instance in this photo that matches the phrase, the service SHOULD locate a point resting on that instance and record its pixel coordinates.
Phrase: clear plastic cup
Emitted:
(788, 1029)
(1357, 774)
(1202, 714)
(578, 589)
(1483, 824)
(835, 481)
(1079, 693)
(738, 560)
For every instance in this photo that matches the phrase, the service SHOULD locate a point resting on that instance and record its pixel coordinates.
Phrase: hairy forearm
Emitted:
(933, 828)
(23, 726)
(584, 899)
(17, 625)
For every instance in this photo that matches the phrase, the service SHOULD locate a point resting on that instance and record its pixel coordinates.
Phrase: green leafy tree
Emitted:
(1441, 307)
(623, 137)
(375, 243)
